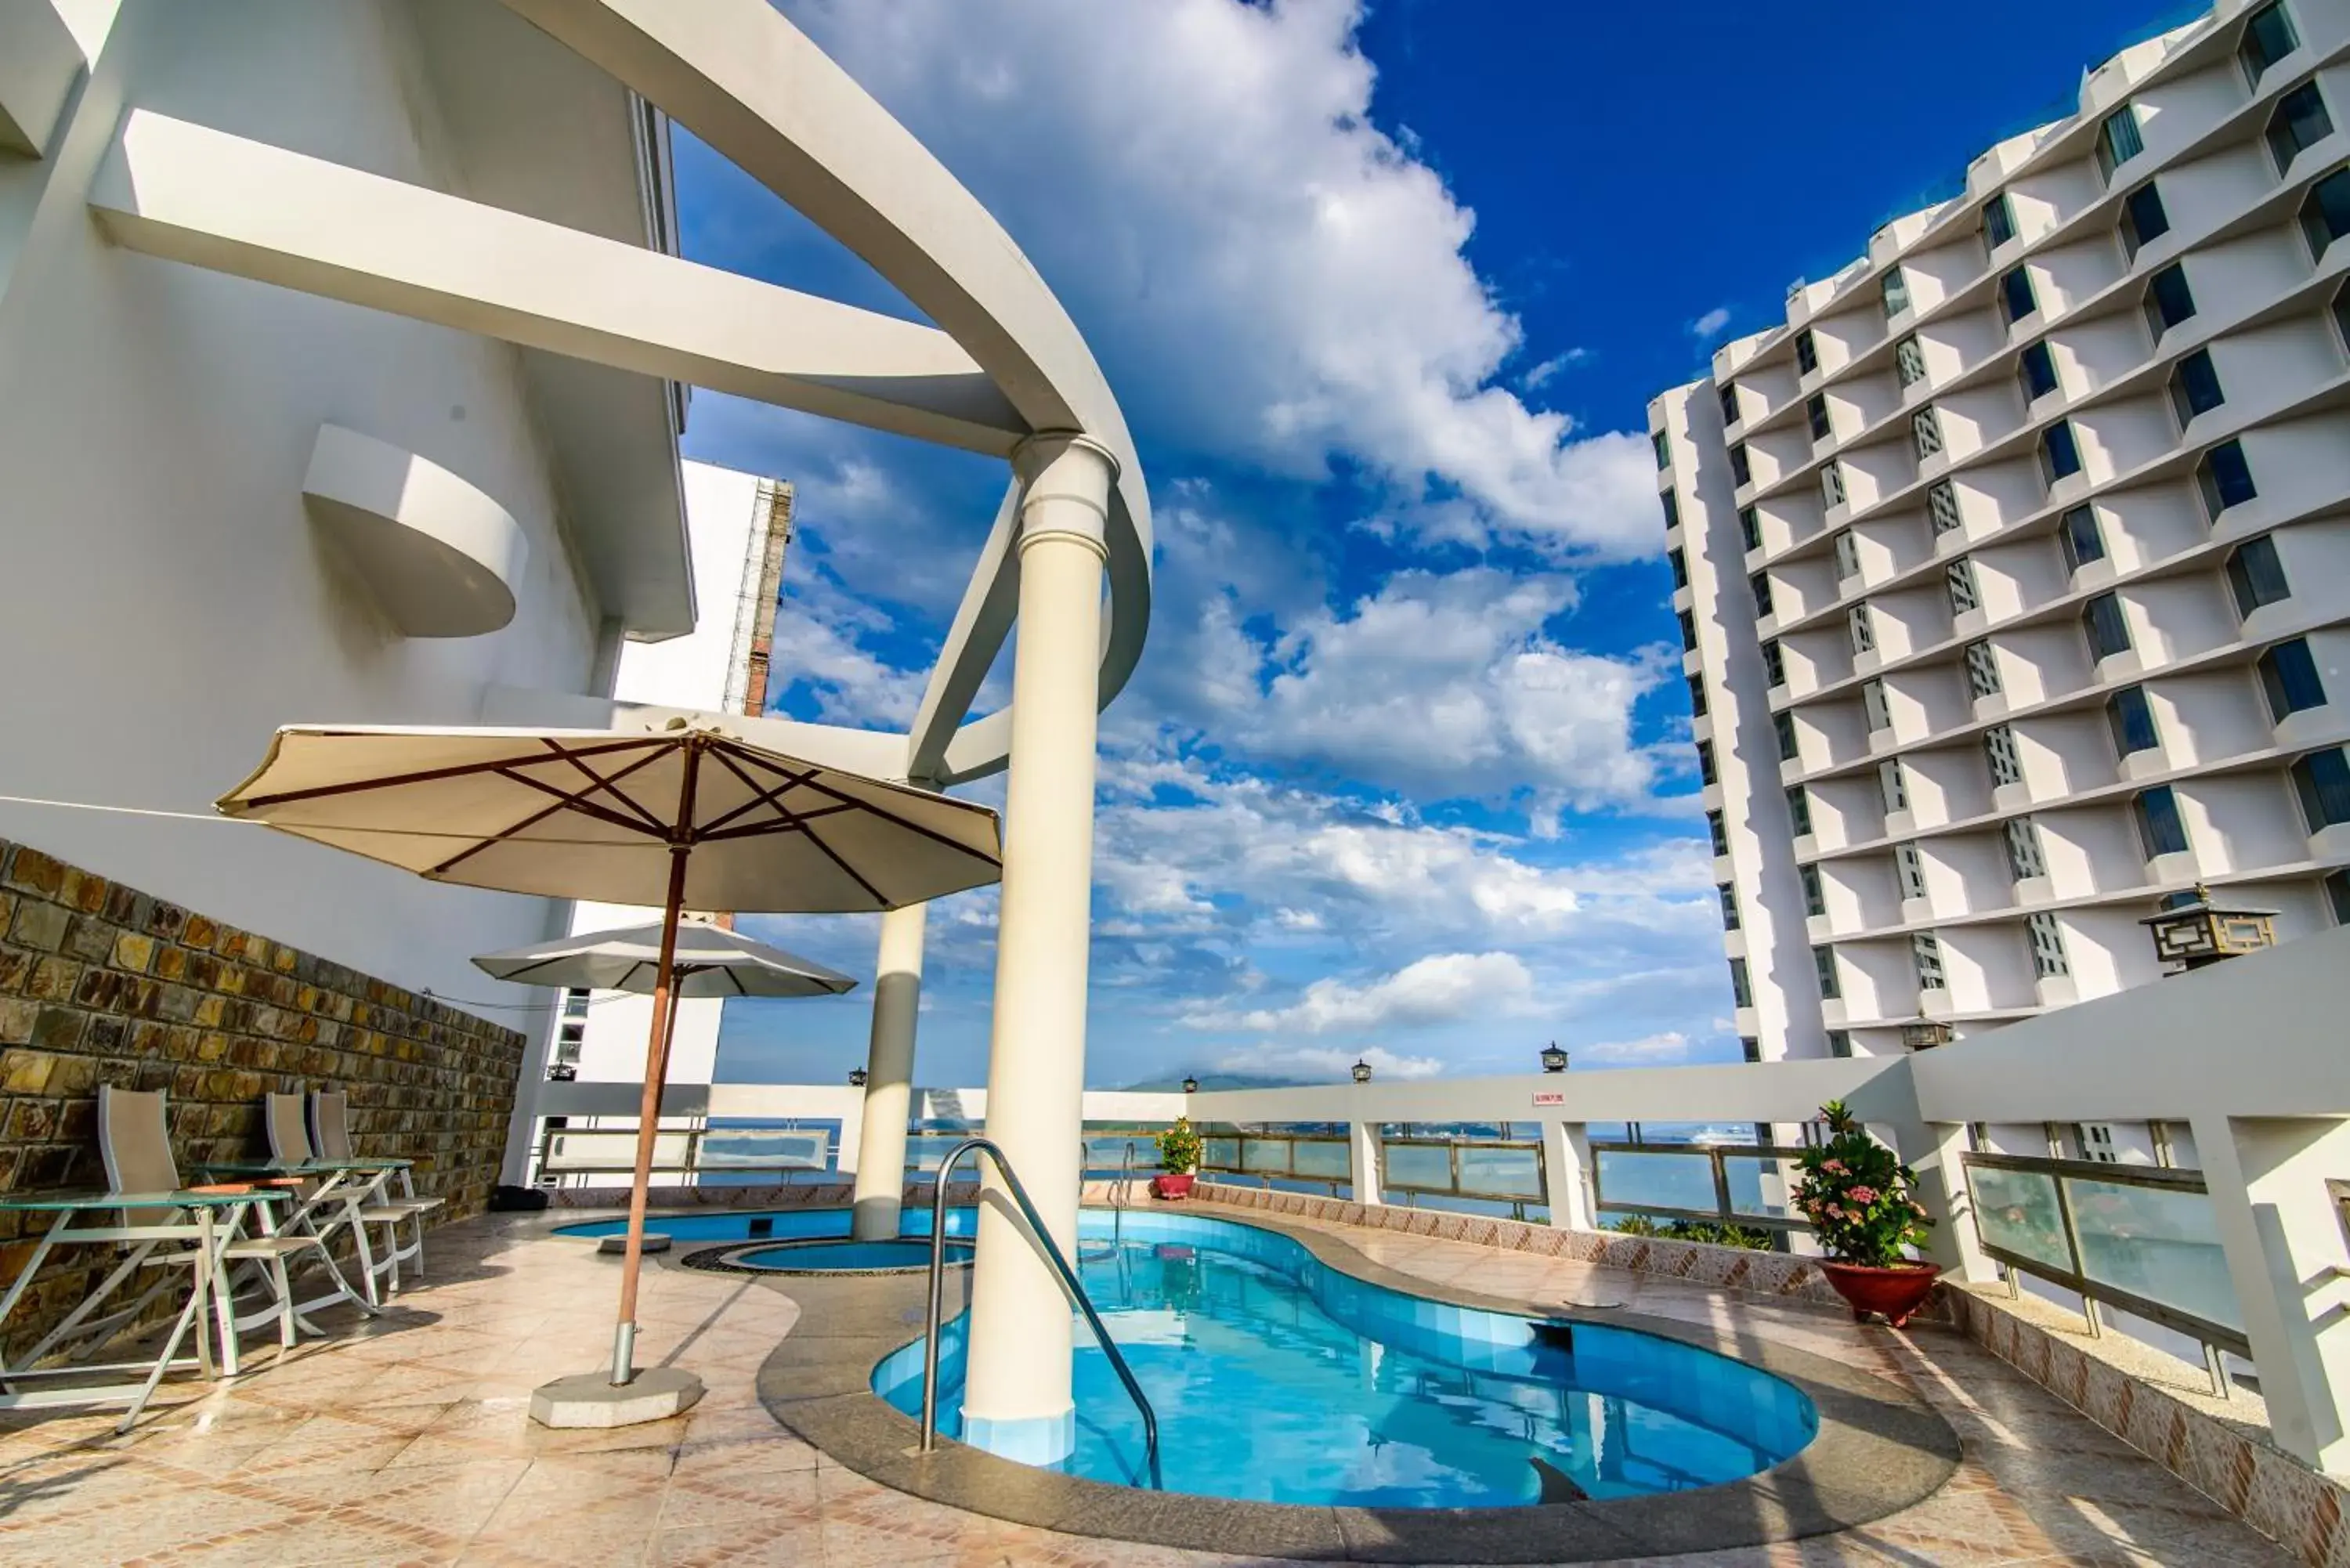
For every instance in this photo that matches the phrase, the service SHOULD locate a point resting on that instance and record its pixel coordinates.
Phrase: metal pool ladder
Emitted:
(1060, 1266)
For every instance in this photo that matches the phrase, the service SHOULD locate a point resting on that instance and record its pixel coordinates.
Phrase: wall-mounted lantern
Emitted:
(1190, 1086)
(2198, 929)
(1362, 1071)
(1553, 1060)
(1923, 1033)
(857, 1077)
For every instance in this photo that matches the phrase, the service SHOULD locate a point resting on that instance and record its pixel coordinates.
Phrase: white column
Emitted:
(1016, 1399)
(889, 1073)
(1934, 1150)
(2287, 1256)
(1566, 1156)
(1363, 1144)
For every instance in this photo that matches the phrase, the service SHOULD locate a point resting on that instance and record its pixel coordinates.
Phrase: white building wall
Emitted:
(1898, 692)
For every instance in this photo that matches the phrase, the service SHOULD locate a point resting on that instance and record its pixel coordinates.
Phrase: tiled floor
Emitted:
(409, 1442)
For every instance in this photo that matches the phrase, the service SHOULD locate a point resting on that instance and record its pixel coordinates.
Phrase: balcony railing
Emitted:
(1304, 1159)
(1715, 1184)
(690, 1151)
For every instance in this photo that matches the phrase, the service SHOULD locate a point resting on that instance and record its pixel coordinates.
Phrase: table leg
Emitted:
(17, 1291)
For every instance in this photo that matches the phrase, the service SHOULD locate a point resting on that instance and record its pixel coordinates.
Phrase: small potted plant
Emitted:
(1179, 1154)
(1862, 1205)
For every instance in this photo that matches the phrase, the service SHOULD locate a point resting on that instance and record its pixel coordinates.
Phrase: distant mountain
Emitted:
(1216, 1081)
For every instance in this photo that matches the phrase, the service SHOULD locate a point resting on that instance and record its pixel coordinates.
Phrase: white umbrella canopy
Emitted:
(710, 961)
(690, 814)
(594, 815)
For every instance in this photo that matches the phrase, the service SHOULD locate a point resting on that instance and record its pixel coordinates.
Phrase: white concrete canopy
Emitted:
(437, 557)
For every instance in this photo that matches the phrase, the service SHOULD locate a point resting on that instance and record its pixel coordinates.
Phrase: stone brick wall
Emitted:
(100, 983)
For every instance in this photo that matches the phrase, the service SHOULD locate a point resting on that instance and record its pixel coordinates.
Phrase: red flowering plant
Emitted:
(1861, 1201)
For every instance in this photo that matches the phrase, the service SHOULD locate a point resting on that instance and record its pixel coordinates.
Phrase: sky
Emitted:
(1383, 290)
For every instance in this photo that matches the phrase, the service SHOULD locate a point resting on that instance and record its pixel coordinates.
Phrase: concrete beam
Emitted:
(991, 602)
(185, 192)
(40, 63)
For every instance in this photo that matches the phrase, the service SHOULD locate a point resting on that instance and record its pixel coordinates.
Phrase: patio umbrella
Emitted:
(710, 961)
(686, 814)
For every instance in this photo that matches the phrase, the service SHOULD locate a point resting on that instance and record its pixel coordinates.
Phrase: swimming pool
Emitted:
(1278, 1380)
(783, 1224)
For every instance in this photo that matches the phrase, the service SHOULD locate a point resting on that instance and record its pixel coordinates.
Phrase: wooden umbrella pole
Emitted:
(624, 1334)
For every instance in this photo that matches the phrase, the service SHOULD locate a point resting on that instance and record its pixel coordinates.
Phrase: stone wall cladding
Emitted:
(100, 983)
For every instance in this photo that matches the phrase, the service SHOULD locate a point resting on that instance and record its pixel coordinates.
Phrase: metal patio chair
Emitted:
(330, 1136)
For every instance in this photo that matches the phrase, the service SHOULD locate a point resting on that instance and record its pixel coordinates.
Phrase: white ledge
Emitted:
(437, 555)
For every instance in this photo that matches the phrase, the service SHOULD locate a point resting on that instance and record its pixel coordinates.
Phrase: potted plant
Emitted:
(1862, 1205)
(1179, 1154)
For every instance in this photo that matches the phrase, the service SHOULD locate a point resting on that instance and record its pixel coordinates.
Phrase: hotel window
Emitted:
(1960, 577)
(1799, 811)
(1909, 362)
(1750, 1048)
(1664, 450)
(1927, 953)
(1730, 402)
(2118, 140)
(2341, 314)
(569, 1039)
(2078, 538)
(1672, 510)
(2144, 221)
(1982, 669)
(2162, 830)
(1775, 665)
(2225, 478)
(1864, 635)
(1680, 568)
(1750, 527)
(2337, 895)
(575, 1003)
(2289, 679)
(1895, 289)
(2024, 860)
(1697, 695)
(1832, 483)
(1824, 965)
(1943, 505)
(1892, 787)
(1816, 899)
(2005, 761)
(2195, 388)
(2256, 576)
(1815, 409)
(2299, 123)
(1729, 911)
(1760, 585)
(2168, 300)
(2131, 718)
(1720, 831)
(2326, 215)
(1840, 1043)
(1872, 699)
(2037, 369)
(1912, 867)
(2322, 779)
(1999, 221)
(1926, 432)
(2106, 626)
(1847, 553)
(1807, 353)
(1689, 632)
(1742, 993)
(1738, 468)
(2015, 295)
(2060, 452)
(2048, 957)
(2268, 39)
(1782, 725)
(1705, 768)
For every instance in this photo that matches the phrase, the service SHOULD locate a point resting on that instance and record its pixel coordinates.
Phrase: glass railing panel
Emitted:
(2159, 1243)
(1418, 1165)
(1221, 1153)
(1323, 1157)
(1265, 1153)
(1759, 1184)
(1503, 1172)
(764, 1149)
(1661, 1181)
(2017, 1211)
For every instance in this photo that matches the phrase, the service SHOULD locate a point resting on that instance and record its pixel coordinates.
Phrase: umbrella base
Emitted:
(592, 1399)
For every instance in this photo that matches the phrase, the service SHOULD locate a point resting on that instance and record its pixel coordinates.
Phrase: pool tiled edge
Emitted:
(1880, 1449)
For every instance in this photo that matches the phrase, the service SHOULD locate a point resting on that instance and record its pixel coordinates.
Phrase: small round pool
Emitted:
(826, 1257)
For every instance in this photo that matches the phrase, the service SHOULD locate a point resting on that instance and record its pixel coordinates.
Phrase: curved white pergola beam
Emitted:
(1002, 362)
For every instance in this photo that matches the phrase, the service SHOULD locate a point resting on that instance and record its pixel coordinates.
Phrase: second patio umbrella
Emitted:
(710, 961)
(684, 815)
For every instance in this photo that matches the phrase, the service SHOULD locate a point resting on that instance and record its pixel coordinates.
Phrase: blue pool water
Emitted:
(783, 1224)
(1279, 1380)
(802, 1257)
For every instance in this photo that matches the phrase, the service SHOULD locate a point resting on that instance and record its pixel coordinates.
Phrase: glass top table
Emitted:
(178, 1197)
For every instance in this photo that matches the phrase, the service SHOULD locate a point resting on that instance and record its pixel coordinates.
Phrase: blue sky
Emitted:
(1405, 771)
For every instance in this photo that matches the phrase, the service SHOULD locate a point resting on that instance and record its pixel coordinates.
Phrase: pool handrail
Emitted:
(1051, 1251)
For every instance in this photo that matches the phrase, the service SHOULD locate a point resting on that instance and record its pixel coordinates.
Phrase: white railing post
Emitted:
(1363, 1149)
(1934, 1150)
(1567, 1165)
(2287, 1257)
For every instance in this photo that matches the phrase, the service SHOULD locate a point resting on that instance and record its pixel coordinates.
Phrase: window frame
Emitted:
(2015, 279)
(1728, 393)
(1664, 450)
(2257, 62)
(1742, 988)
(2035, 369)
(1823, 970)
(2163, 289)
(1728, 892)
(1671, 502)
(1926, 959)
(2059, 433)
(1984, 679)
(1799, 810)
(1758, 584)
(2281, 686)
(1815, 894)
(2256, 575)
(2069, 538)
(1807, 354)
(2328, 200)
(1926, 432)
(2320, 781)
(2193, 379)
(2283, 133)
(2044, 936)
(2003, 758)
(2222, 492)
(1998, 215)
(1741, 472)
(2026, 860)
(2150, 822)
(2102, 619)
(1815, 414)
(1944, 519)
(1718, 833)
(1774, 663)
(2139, 228)
(1910, 870)
(1678, 562)
(2120, 139)
(1959, 581)
(1863, 630)
(1893, 290)
(1908, 361)
(1750, 527)
(2129, 718)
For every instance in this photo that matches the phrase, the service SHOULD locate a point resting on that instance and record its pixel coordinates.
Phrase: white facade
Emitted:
(2013, 568)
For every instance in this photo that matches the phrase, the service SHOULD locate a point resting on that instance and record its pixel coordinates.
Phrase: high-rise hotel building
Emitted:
(2014, 567)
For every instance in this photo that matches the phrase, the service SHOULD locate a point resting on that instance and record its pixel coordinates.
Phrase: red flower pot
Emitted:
(1171, 1185)
(1897, 1292)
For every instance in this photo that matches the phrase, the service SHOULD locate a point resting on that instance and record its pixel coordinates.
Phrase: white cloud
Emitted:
(1439, 989)
(1710, 323)
(1311, 1061)
(1649, 1051)
(1535, 379)
(1265, 272)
